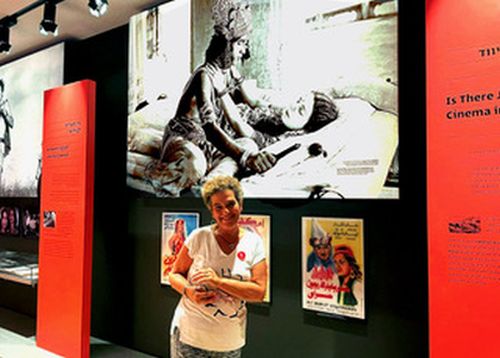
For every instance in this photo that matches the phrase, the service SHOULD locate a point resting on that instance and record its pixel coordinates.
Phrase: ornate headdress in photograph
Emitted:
(232, 18)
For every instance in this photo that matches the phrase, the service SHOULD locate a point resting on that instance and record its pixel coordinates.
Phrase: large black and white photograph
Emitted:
(22, 84)
(297, 99)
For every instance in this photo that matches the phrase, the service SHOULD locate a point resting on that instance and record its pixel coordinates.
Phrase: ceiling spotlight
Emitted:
(98, 7)
(4, 39)
(48, 24)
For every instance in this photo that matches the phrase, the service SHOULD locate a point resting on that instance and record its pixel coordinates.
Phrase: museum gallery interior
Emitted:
(351, 146)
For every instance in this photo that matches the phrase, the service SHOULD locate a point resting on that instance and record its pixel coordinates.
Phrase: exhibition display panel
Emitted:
(65, 262)
(463, 123)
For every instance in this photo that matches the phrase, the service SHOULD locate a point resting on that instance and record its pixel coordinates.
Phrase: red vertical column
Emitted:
(65, 253)
(463, 151)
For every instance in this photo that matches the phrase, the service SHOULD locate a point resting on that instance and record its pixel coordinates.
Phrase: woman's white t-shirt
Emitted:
(219, 326)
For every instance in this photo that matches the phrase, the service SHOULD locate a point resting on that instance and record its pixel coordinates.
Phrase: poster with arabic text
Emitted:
(333, 266)
(261, 225)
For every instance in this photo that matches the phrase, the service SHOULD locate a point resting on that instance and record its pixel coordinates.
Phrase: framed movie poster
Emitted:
(261, 225)
(333, 266)
(176, 227)
(22, 84)
(223, 86)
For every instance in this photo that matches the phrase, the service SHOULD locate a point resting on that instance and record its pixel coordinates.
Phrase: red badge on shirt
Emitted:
(241, 255)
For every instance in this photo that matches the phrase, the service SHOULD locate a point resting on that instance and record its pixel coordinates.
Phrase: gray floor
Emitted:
(17, 340)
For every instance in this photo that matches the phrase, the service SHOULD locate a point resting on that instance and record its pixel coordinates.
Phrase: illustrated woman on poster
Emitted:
(177, 239)
(219, 268)
(349, 275)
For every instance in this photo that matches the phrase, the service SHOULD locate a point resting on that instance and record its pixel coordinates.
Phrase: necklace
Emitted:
(231, 244)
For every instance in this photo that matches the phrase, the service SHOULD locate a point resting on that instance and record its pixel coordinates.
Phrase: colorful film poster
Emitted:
(261, 225)
(333, 266)
(175, 228)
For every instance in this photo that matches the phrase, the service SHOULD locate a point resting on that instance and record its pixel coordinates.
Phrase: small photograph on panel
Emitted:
(30, 225)
(176, 227)
(49, 219)
(333, 266)
(9, 220)
(261, 225)
(224, 86)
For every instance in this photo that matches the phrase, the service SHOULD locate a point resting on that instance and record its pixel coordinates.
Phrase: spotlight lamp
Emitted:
(98, 7)
(48, 24)
(4, 39)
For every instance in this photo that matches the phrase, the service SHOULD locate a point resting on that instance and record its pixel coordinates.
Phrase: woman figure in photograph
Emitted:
(4, 221)
(30, 223)
(177, 239)
(206, 109)
(13, 223)
(219, 268)
(349, 275)
(222, 124)
(6, 123)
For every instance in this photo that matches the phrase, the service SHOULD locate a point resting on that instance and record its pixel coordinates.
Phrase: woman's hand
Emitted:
(207, 277)
(261, 161)
(200, 295)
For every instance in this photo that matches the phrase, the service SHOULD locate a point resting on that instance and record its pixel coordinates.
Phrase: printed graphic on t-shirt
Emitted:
(225, 306)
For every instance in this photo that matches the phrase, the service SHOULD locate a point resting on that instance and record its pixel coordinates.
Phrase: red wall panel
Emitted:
(65, 263)
(463, 144)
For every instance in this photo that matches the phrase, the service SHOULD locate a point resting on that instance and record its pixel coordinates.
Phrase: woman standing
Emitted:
(219, 268)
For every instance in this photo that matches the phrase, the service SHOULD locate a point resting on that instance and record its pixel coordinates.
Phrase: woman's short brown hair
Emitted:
(218, 184)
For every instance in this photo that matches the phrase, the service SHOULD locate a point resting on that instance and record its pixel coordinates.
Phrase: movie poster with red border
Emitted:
(261, 225)
(175, 229)
(333, 266)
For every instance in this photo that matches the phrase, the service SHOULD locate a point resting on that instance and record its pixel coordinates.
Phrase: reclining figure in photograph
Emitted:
(223, 124)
